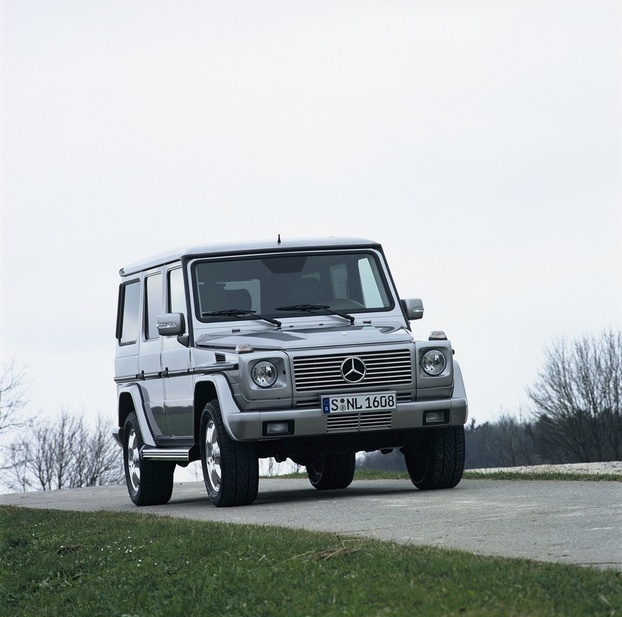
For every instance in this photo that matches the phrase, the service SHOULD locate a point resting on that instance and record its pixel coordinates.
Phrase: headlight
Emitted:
(264, 374)
(433, 362)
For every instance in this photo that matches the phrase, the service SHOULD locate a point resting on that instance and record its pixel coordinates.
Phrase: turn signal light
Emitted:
(437, 335)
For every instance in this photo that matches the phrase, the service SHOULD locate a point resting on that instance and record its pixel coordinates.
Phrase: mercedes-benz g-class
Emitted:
(297, 350)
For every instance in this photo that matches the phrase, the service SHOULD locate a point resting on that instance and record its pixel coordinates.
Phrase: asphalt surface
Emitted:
(571, 522)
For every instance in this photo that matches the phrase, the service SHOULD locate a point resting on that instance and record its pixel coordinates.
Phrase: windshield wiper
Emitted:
(240, 313)
(312, 308)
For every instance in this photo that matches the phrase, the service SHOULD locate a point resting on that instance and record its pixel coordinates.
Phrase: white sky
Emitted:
(479, 142)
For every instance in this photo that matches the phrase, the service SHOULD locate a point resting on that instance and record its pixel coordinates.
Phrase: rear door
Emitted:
(175, 363)
(150, 352)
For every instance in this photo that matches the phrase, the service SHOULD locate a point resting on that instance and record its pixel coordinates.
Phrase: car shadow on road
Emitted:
(274, 491)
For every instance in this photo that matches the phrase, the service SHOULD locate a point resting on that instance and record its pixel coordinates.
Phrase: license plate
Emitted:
(380, 401)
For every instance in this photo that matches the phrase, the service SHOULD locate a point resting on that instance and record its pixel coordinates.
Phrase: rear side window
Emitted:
(129, 313)
(153, 306)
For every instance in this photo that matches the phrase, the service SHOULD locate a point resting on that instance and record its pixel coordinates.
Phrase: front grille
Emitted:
(323, 373)
(341, 423)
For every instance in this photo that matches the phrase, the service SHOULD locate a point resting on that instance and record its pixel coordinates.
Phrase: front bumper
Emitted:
(249, 425)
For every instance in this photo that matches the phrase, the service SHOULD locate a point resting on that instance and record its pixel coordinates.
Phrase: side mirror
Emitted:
(413, 307)
(171, 324)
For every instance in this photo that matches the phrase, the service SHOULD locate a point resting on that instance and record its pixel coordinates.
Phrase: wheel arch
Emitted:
(213, 387)
(459, 389)
(459, 395)
(130, 400)
(126, 407)
(204, 392)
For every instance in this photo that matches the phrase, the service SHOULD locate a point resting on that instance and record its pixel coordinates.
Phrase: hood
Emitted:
(284, 339)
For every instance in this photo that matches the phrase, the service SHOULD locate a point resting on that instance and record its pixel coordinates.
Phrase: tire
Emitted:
(333, 471)
(230, 468)
(149, 483)
(438, 461)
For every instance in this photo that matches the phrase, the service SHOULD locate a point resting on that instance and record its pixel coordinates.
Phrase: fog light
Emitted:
(434, 417)
(271, 429)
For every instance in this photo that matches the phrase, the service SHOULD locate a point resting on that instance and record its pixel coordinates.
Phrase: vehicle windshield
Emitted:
(285, 285)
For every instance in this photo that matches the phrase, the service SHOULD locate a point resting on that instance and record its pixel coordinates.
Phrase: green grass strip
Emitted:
(542, 475)
(122, 565)
(371, 474)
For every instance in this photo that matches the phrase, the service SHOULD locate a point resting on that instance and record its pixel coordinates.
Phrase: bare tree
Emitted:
(12, 401)
(12, 397)
(577, 400)
(64, 454)
(98, 460)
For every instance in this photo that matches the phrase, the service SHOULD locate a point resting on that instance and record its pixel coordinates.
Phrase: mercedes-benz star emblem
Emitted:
(353, 369)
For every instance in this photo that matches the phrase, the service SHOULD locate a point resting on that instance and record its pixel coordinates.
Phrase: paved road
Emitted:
(566, 522)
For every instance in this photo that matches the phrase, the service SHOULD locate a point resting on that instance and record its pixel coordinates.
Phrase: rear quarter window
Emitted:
(129, 313)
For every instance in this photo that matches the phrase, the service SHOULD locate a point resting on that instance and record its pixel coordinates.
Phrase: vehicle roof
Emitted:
(257, 246)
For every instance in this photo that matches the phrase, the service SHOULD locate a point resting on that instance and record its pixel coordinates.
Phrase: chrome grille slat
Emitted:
(338, 423)
(324, 372)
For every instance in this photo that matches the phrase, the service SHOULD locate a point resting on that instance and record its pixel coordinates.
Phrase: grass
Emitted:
(542, 475)
(126, 565)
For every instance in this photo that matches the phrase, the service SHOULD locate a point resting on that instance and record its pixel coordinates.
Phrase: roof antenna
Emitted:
(278, 240)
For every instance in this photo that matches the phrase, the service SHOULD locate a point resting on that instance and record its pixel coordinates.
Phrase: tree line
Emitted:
(574, 416)
(574, 413)
(51, 454)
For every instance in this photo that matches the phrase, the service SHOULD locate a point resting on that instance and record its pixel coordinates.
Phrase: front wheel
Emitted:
(438, 461)
(333, 471)
(230, 468)
(149, 483)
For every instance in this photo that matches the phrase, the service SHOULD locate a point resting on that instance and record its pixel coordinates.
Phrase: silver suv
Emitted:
(293, 350)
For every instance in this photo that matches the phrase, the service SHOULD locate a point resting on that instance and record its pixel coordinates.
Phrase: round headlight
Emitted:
(433, 362)
(264, 374)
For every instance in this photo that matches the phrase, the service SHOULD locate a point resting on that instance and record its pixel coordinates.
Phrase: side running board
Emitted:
(184, 454)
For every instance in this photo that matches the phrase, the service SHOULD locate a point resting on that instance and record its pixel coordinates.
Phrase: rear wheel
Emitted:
(149, 483)
(438, 461)
(230, 468)
(333, 471)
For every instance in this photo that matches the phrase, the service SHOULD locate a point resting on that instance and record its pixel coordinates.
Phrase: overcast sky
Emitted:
(479, 142)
